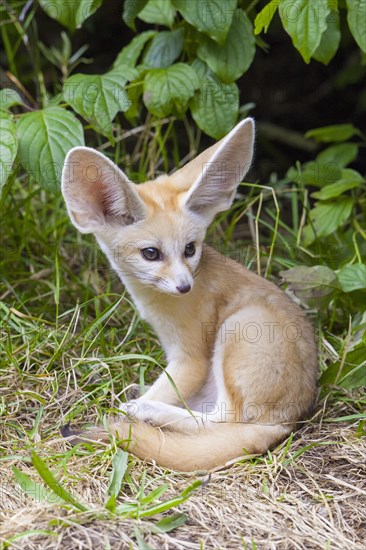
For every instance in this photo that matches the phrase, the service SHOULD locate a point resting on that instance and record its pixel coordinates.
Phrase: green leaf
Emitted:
(349, 180)
(119, 462)
(9, 98)
(315, 173)
(352, 375)
(155, 494)
(265, 16)
(167, 91)
(129, 54)
(8, 146)
(215, 106)
(352, 277)
(305, 22)
(98, 98)
(165, 48)
(337, 132)
(212, 17)
(340, 154)
(160, 12)
(70, 14)
(44, 138)
(166, 525)
(356, 10)
(131, 9)
(230, 60)
(35, 490)
(326, 217)
(53, 484)
(311, 283)
(330, 40)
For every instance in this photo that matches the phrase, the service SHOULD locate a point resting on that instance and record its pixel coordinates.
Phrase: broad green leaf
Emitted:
(265, 16)
(212, 17)
(330, 40)
(230, 60)
(8, 146)
(70, 14)
(164, 49)
(215, 106)
(9, 98)
(161, 12)
(98, 98)
(341, 154)
(356, 10)
(353, 372)
(35, 490)
(55, 485)
(131, 9)
(119, 462)
(167, 91)
(326, 217)
(311, 283)
(315, 173)
(352, 277)
(129, 54)
(337, 132)
(44, 138)
(349, 180)
(305, 22)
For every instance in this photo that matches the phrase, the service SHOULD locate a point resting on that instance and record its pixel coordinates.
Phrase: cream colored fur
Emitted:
(241, 355)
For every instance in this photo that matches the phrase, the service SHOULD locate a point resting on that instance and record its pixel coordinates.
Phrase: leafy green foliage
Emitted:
(265, 16)
(167, 91)
(161, 12)
(45, 136)
(212, 18)
(98, 98)
(131, 8)
(8, 146)
(164, 49)
(305, 22)
(230, 60)
(215, 105)
(70, 14)
(157, 70)
(338, 132)
(357, 21)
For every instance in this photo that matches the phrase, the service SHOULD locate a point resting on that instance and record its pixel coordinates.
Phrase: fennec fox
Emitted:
(241, 355)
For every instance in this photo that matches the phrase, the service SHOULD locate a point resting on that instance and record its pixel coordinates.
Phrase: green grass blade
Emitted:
(119, 462)
(53, 484)
(35, 490)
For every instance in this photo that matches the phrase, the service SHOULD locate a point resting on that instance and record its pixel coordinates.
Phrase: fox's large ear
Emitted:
(211, 179)
(97, 192)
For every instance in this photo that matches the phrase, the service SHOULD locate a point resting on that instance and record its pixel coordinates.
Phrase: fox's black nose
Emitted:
(183, 289)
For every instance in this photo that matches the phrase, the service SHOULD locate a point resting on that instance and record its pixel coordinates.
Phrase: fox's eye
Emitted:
(189, 250)
(151, 254)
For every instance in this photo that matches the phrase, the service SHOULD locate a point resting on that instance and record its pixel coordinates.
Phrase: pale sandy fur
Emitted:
(241, 354)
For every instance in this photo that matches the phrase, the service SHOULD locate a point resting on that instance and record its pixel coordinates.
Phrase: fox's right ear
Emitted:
(211, 178)
(97, 193)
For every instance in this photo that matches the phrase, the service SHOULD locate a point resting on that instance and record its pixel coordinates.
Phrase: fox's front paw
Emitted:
(137, 409)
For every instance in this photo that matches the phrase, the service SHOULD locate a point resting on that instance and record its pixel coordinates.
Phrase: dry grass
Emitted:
(314, 500)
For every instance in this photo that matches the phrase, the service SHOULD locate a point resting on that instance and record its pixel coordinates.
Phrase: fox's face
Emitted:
(161, 251)
(153, 233)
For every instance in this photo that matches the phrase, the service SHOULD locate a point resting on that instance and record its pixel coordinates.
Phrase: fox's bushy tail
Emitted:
(204, 449)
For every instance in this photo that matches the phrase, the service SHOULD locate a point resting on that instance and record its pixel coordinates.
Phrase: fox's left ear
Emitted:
(211, 179)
